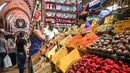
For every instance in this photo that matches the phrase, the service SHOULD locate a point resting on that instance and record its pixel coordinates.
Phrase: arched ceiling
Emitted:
(14, 10)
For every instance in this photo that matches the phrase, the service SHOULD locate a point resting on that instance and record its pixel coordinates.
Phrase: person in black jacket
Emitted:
(21, 44)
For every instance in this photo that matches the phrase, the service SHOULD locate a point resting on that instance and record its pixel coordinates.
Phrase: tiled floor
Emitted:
(14, 70)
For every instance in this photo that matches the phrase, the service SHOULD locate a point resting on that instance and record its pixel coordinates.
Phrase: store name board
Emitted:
(122, 26)
(94, 3)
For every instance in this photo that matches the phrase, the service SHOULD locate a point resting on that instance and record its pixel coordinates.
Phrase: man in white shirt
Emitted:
(50, 31)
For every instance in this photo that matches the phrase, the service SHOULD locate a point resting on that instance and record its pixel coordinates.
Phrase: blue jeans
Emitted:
(21, 61)
(2, 56)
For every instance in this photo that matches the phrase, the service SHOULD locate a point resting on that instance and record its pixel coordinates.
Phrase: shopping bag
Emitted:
(7, 61)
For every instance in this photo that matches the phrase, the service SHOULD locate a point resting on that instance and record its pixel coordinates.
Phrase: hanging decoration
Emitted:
(20, 23)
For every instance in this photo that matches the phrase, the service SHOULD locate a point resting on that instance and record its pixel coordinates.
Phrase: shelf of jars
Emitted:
(63, 10)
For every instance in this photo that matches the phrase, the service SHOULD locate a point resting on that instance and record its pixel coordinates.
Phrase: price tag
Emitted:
(69, 29)
(94, 29)
(79, 30)
(64, 30)
(75, 27)
(122, 26)
(108, 19)
(82, 26)
(94, 23)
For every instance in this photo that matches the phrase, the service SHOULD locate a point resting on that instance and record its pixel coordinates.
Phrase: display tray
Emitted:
(112, 56)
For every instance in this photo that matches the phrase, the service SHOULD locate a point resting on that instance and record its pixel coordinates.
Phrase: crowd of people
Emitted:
(20, 48)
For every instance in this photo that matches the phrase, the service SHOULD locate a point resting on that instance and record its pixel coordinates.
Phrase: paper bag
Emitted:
(7, 61)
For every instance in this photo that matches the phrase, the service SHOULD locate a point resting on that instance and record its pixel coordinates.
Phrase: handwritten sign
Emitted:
(94, 29)
(94, 23)
(82, 26)
(69, 28)
(80, 30)
(74, 27)
(108, 19)
(122, 26)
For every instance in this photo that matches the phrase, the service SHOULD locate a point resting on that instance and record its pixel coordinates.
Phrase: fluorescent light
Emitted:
(2, 6)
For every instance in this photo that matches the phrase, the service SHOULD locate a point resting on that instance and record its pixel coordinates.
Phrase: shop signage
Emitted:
(37, 15)
(94, 3)
(122, 26)
(20, 23)
(94, 26)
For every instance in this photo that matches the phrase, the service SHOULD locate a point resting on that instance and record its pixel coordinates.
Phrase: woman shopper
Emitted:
(12, 48)
(36, 42)
(3, 49)
(21, 45)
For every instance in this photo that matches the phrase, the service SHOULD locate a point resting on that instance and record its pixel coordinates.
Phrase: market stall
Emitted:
(102, 48)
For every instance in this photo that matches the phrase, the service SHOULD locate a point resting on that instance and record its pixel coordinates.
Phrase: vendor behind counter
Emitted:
(82, 20)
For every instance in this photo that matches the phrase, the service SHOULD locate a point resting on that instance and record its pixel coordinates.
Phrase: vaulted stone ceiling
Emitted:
(16, 14)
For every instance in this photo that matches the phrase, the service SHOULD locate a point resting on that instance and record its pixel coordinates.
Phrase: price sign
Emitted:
(94, 29)
(108, 19)
(79, 30)
(69, 28)
(75, 27)
(122, 26)
(82, 26)
(94, 23)
(64, 30)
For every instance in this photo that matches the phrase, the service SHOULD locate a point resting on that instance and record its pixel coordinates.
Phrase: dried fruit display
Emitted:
(94, 64)
(118, 45)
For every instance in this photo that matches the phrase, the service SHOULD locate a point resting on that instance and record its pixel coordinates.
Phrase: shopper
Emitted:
(82, 20)
(3, 49)
(12, 48)
(50, 31)
(36, 42)
(21, 44)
